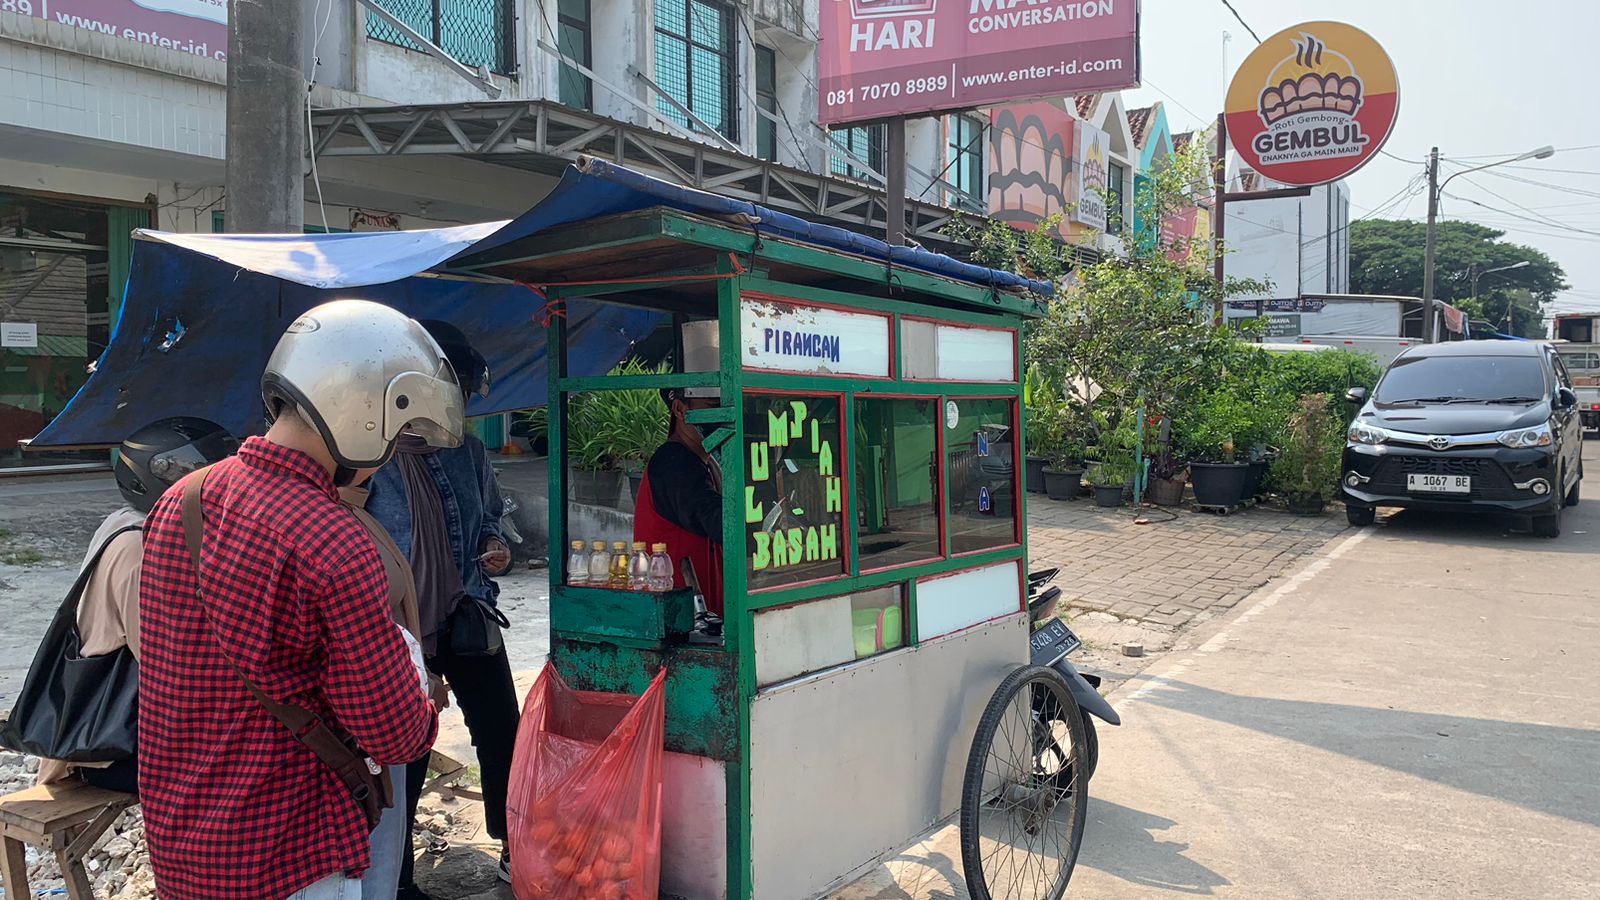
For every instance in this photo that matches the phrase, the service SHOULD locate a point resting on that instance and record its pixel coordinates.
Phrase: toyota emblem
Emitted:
(1439, 443)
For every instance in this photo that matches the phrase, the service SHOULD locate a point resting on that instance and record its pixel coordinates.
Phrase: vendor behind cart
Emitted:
(680, 502)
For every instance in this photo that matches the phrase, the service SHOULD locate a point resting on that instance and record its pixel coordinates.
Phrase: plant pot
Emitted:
(1066, 484)
(1254, 477)
(1302, 503)
(635, 481)
(1166, 491)
(1033, 474)
(1109, 495)
(1218, 484)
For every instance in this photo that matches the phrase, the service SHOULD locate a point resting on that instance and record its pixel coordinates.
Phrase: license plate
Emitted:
(1439, 484)
(1052, 642)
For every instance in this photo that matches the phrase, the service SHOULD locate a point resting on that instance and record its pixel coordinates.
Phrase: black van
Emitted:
(1479, 426)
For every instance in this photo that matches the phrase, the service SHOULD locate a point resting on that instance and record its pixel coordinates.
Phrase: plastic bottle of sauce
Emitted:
(660, 568)
(577, 564)
(619, 566)
(638, 568)
(599, 564)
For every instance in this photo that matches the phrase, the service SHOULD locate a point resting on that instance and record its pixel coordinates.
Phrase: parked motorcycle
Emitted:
(1052, 641)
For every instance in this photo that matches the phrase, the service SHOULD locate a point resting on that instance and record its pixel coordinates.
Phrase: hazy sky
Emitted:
(1481, 79)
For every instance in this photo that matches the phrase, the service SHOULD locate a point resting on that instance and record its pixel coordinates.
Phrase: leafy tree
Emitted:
(1136, 328)
(1386, 257)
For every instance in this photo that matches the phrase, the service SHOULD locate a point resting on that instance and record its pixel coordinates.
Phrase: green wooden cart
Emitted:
(870, 435)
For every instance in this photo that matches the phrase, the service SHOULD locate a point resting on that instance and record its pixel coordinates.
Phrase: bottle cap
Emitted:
(598, 545)
(577, 545)
(638, 546)
(658, 548)
(619, 545)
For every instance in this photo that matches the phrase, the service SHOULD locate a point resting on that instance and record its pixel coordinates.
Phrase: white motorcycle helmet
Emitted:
(360, 373)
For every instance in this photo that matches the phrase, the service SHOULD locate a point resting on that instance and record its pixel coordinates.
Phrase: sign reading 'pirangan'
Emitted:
(1312, 103)
(880, 58)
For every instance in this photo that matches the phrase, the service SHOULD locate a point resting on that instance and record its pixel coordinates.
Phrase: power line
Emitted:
(1545, 223)
(1242, 21)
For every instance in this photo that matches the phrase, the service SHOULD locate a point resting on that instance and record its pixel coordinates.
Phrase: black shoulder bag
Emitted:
(72, 707)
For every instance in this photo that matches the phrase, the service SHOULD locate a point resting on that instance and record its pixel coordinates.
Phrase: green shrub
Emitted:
(1312, 444)
(609, 429)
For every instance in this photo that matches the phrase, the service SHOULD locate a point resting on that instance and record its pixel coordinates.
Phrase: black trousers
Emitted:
(122, 775)
(482, 687)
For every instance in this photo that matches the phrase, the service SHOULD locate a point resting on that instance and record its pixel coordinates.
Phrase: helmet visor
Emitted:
(429, 406)
(171, 465)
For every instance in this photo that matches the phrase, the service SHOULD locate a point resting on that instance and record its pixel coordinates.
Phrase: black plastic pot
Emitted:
(1033, 474)
(1219, 484)
(1109, 495)
(1066, 484)
(1254, 478)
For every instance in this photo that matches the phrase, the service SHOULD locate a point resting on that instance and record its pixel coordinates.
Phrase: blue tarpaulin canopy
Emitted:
(203, 312)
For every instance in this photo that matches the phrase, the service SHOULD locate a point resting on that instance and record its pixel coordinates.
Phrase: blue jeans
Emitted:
(334, 887)
(391, 844)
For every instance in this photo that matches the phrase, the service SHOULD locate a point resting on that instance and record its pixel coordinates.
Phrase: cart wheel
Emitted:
(1022, 822)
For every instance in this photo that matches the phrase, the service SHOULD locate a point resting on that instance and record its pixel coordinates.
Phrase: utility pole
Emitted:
(1428, 316)
(895, 182)
(266, 117)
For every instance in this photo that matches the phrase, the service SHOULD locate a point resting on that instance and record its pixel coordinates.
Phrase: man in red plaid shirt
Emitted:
(291, 591)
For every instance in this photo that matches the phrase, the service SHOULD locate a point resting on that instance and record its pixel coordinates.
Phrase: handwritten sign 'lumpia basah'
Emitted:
(782, 336)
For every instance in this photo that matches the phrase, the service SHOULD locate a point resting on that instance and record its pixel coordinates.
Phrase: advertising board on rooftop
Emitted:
(881, 58)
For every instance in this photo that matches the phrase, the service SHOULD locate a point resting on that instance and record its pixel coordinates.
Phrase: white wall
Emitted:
(1301, 245)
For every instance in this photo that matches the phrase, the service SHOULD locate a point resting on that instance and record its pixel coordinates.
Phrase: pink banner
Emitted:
(188, 26)
(880, 58)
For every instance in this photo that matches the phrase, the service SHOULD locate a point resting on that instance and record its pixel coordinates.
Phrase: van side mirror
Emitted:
(1356, 395)
(1565, 398)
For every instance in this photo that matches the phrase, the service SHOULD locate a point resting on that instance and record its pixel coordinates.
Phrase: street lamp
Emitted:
(1435, 188)
(1473, 272)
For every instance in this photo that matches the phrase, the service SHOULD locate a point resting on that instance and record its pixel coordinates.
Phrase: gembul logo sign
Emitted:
(1312, 104)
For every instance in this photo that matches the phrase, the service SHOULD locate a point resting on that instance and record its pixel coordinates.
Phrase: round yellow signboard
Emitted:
(1312, 103)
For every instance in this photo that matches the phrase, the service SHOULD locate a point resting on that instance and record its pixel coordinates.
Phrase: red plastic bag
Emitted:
(584, 805)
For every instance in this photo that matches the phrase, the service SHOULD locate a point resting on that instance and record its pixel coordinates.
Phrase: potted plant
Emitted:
(1110, 479)
(1209, 431)
(1308, 465)
(1063, 477)
(1044, 427)
(1168, 478)
(610, 437)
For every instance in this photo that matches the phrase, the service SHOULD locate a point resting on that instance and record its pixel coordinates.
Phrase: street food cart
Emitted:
(869, 435)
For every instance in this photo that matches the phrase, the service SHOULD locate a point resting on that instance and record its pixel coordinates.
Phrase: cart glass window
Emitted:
(795, 640)
(939, 351)
(980, 474)
(794, 497)
(896, 489)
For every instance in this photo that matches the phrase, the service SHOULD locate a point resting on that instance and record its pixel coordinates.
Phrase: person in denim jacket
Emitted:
(443, 509)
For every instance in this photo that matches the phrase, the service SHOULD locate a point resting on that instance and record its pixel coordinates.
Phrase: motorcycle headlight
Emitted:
(1361, 433)
(1537, 436)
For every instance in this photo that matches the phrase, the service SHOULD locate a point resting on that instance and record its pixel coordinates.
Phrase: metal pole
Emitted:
(1428, 330)
(266, 118)
(1219, 175)
(895, 175)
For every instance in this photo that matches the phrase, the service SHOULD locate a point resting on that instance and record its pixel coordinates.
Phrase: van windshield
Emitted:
(1462, 379)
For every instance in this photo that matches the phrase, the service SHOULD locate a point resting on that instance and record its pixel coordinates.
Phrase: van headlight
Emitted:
(1537, 436)
(1362, 433)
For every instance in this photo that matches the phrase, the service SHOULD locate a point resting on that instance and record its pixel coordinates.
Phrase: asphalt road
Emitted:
(1418, 716)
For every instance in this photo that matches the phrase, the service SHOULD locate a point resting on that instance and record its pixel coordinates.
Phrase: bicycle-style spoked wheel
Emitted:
(1023, 803)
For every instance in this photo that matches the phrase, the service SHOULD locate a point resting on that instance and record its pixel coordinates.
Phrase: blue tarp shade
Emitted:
(203, 312)
(223, 321)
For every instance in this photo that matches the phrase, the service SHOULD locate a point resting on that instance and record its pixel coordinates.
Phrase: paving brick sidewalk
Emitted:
(1173, 571)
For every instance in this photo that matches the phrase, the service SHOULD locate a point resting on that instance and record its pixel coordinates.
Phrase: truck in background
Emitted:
(1583, 364)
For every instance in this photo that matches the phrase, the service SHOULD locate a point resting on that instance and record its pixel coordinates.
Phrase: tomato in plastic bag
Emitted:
(584, 804)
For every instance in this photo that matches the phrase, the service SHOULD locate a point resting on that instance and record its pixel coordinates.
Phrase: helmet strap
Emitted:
(343, 476)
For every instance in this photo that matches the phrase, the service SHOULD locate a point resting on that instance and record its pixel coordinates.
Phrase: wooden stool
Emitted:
(66, 818)
(449, 772)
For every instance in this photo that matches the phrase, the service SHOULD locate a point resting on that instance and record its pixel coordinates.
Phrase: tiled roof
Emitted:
(1139, 123)
(1085, 103)
(1180, 141)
